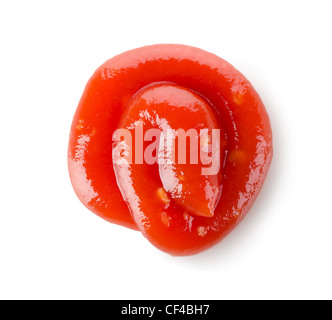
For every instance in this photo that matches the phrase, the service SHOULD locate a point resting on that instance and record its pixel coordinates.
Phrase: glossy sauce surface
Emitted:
(177, 209)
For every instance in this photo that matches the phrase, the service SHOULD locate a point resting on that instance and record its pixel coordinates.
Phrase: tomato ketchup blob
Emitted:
(172, 141)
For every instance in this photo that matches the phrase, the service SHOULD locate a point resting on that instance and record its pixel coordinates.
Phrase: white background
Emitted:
(52, 247)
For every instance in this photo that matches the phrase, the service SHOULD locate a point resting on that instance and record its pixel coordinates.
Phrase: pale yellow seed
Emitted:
(204, 141)
(80, 125)
(236, 156)
(201, 231)
(162, 195)
(238, 98)
(181, 177)
(165, 219)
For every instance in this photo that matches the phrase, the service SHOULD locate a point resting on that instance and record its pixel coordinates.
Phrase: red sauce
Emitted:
(177, 208)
